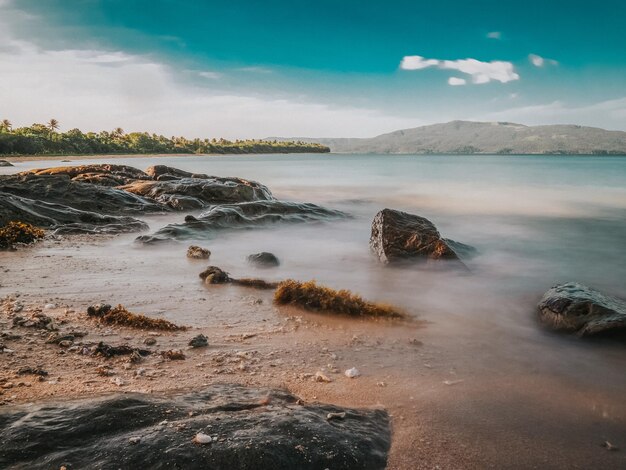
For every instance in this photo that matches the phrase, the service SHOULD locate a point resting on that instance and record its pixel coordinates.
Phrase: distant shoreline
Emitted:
(30, 158)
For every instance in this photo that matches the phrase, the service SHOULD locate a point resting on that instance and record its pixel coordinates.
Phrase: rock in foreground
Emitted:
(249, 429)
(581, 309)
(400, 236)
(263, 260)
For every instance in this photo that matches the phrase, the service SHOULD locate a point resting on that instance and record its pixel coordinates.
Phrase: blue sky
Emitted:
(310, 68)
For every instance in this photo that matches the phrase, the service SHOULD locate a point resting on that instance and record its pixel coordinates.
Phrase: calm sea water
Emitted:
(535, 220)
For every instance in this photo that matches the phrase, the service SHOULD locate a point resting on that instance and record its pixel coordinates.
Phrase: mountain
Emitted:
(468, 137)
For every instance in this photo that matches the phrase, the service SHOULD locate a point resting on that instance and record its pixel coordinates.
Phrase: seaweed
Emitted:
(121, 317)
(18, 232)
(311, 296)
(215, 275)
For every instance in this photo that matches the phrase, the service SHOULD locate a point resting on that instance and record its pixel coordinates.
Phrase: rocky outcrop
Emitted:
(220, 427)
(196, 193)
(263, 259)
(166, 173)
(61, 189)
(398, 236)
(244, 215)
(577, 308)
(63, 219)
(103, 174)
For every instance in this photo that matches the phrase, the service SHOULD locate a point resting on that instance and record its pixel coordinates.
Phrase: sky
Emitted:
(316, 68)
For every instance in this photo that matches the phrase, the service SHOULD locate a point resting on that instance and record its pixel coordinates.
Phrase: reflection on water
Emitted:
(535, 221)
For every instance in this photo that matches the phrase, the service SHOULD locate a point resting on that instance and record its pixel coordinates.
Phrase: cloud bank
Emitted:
(480, 72)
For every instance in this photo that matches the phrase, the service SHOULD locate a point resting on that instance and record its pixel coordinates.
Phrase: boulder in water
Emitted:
(400, 236)
(264, 259)
(5, 163)
(260, 429)
(197, 252)
(577, 308)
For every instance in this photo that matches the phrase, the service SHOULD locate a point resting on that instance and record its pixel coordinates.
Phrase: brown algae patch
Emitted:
(18, 232)
(121, 317)
(311, 296)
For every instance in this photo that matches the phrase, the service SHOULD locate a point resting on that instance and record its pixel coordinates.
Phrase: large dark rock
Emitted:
(577, 308)
(103, 174)
(63, 219)
(263, 259)
(251, 429)
(240, 216)
(195, 193)
(400, 236)
(5, 163)
(61, 189)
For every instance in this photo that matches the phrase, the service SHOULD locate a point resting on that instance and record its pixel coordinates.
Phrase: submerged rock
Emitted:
(240, 216)
(5, 163)
(399, 236)
(63, 219)
(251, 428)
(581, 309)
(195, 193)
(199, 341)
(264, 259)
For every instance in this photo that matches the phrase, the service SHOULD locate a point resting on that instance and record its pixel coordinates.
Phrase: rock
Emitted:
(321, 377)
(197, 252)
(202, 438)
(96, 433)
(352, 373)
(340, 415)
(98, 310)
(106, 350)
(49, 306)
(399, 236)
(199, 341)
(214, 275)
(195, 193)
(27, 370)
(242, 216)
(63, 219)
(163, 173)
(263, 259)
(5, 163)
(173, 355)
(577, 308)
(60, 189)
(102, 174)
(149, 341)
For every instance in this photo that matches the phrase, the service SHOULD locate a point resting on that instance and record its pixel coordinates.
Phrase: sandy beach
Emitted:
(443, 417)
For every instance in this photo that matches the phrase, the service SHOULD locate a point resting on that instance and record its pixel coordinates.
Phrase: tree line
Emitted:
(45, 139)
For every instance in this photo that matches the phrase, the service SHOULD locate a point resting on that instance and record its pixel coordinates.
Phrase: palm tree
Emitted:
(52, 124)
(6, 125)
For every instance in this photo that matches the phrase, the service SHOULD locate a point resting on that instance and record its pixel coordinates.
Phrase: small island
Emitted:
(45, 139)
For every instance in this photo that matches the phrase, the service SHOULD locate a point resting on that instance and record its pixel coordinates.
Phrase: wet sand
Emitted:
(450, 406)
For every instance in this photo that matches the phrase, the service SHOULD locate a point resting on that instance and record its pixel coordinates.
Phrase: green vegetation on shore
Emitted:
(44, 139)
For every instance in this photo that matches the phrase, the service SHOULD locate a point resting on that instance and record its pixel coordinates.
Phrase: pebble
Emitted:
(320, 377)
(202, 438)
(49, 306)
(134, 440)
(352, 373)
(337, 415)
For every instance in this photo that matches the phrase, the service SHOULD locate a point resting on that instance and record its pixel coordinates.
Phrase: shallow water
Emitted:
(536, 221)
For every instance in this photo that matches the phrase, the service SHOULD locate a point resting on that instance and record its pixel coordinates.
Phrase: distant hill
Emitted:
(468, 137)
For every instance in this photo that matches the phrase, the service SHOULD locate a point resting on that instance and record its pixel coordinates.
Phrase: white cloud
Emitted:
(480, 72)
(455, 81)
(539, 61)
(417, 62)
(494, 35)
(210, 75)
(102, 89)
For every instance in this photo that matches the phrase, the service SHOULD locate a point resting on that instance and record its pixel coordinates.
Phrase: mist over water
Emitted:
(535, 220)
